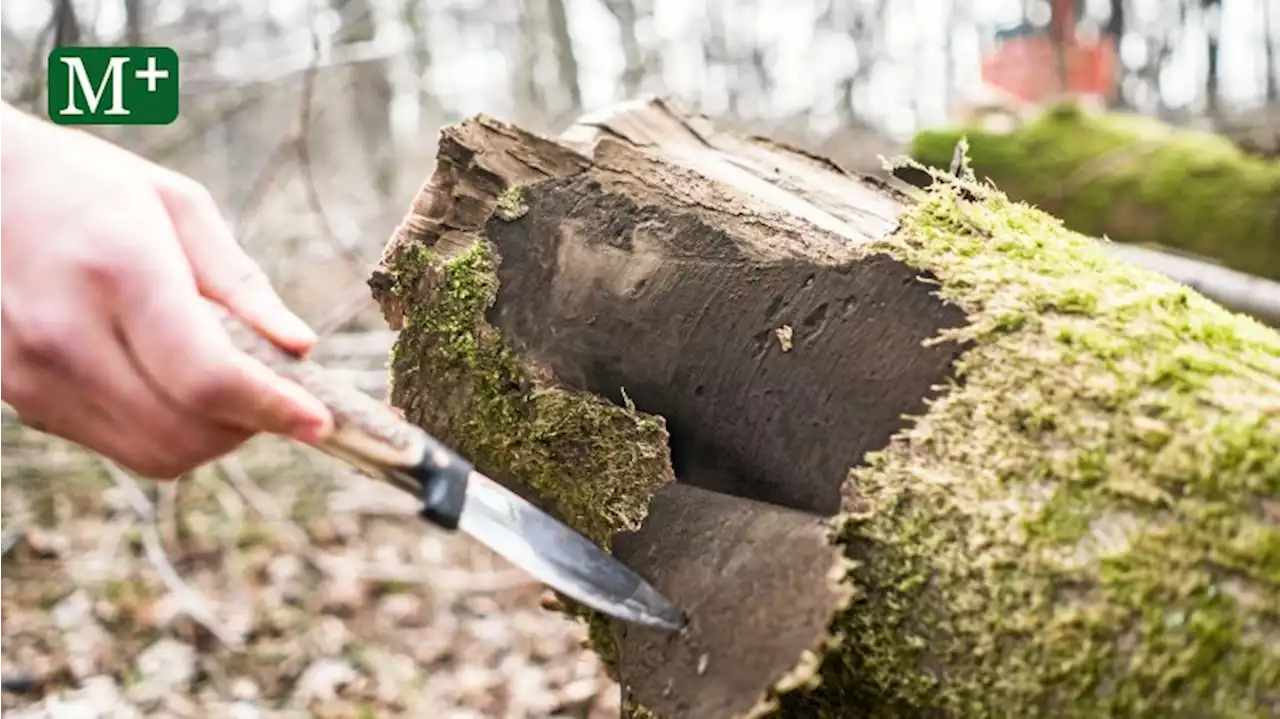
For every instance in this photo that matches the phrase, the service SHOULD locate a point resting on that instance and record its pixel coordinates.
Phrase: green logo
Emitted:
(113, 85)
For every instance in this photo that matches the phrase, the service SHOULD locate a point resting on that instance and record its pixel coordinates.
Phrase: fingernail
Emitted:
(311, 431)
(296, 328)
(282, 322)
(312, 420)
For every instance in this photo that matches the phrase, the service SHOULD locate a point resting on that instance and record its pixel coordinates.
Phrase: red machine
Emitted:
(1025, 61)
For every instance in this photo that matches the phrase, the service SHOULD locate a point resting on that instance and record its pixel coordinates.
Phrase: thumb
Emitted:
(223, 271)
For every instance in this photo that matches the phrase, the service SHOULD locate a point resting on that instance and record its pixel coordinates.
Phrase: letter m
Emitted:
(78, 77)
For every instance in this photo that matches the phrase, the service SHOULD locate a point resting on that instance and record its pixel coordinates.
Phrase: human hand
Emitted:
(108, 340)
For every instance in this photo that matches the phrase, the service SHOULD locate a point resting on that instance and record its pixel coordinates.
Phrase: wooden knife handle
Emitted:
(367, 433)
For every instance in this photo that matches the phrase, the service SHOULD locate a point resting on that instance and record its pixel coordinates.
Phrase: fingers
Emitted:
(224, 272)
(137, 431)
(94, 397)
(120, 351)
(187, 353)
(184, 348)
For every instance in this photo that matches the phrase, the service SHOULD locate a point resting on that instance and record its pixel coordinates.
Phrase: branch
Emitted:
(304, 159)
(192, 603)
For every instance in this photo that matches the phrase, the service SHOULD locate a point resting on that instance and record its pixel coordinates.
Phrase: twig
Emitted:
(167, 514)
(285, 68)
(304, 159)
(109, 544)
(341, 312)
(233, 506)
(193, 604)
(12, 536)
(452, 581)
(260, 502)
(265, 179)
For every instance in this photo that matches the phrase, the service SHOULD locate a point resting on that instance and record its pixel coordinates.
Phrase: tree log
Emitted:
(895, 455)
(1132, 179)
(1256, 131)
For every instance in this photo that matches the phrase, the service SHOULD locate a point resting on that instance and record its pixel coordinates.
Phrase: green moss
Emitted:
(595, 462)
(631, 710)
(598, 463)
(1076, 528)
(1132, 179)
(601, 639)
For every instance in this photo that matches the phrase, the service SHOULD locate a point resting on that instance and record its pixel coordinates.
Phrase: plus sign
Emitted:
(151, 74)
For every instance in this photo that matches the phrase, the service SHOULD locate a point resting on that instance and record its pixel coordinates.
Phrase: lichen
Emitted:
(1076, 527)
(511, 204)
(784, 337)
(1132, 179)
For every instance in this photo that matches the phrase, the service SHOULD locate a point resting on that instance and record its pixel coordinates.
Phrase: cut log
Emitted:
(895, 456)
(1256, 131)
(1131, 179)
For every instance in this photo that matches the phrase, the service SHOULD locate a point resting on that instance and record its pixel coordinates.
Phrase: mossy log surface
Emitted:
(928, 456)
(1132, 179)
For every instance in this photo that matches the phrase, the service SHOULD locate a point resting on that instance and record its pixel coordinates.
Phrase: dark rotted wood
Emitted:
(705, 279)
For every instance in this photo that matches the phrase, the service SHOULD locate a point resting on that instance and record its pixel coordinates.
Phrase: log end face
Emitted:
(773, 376)
(761, 585)
(775, 371)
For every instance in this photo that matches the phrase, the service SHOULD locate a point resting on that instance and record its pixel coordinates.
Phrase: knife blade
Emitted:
(370, 436)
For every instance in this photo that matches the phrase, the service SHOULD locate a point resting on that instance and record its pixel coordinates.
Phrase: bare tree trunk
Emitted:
(134, 17)
(1268, 20)
(530, 100)
(1117, 26)
(865, 28)
(716, 54)
(566, 63)
(371, 92)
(1213, 22)
(414, 13)
(66, 27)
(948, 59)
(1062, 32)
(624, 11)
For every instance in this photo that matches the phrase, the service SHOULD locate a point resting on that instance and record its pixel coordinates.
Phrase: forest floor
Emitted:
(345, 604)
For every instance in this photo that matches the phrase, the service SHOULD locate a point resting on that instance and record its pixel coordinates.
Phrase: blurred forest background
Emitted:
(275, 582)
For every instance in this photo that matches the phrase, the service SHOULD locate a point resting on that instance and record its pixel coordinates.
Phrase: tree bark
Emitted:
(896, 455)
(1133, 180)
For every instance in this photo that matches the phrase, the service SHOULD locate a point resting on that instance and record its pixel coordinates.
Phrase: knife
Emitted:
(370, 436)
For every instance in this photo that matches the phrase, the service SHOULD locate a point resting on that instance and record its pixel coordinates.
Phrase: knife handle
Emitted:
(367, 434)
